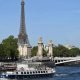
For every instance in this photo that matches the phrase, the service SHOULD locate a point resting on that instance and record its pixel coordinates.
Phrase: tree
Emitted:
(74, 52)
(60, 51)
(45, 52)
(10, 47)
(1, 51)
(56, 52)
(34, 51)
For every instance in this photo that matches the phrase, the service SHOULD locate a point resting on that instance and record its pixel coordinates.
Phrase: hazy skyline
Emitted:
(57, 20)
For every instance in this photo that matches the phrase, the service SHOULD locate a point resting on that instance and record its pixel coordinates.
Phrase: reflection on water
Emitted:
(62, 73)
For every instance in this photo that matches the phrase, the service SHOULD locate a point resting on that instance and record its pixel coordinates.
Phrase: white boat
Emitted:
(32, 68)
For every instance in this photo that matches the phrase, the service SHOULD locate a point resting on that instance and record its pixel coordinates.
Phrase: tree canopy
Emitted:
(35, 50)
(59, 51)
(8, 48)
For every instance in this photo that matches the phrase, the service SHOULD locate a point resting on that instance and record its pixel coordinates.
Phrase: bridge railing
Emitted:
(59, 60)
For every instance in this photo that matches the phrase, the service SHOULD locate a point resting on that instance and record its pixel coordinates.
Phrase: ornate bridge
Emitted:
(62, 60)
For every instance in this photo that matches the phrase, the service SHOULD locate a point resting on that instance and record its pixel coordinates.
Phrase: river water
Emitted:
(62, 73)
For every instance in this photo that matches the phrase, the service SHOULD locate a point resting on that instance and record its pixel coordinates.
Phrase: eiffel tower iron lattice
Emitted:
(23, 41)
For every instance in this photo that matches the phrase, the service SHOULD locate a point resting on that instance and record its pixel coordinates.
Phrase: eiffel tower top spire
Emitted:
(22, 24)
(23, 37)
(22, 0)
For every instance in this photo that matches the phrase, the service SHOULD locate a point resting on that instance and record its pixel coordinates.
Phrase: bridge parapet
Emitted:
(63, 58)
(60, 60)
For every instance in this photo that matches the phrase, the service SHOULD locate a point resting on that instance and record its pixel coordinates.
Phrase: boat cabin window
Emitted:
(33, 72)
(38, 71)
(16, 72)
(24, 72)
(21, 72)
(30, 72)
(27, 72)
(41, 71)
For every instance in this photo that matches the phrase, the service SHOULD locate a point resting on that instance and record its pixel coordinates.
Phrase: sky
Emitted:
(56, 20)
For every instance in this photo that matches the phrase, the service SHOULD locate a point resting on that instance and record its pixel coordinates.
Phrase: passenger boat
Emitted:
(32, 68)
(8, 66)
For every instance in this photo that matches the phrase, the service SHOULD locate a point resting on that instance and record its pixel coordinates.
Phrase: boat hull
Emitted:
(30, 76)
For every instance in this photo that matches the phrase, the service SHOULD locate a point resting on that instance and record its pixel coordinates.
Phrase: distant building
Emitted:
(69, 46)
(46, 47)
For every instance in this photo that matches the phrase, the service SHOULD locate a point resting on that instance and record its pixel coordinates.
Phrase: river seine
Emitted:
(62, 73)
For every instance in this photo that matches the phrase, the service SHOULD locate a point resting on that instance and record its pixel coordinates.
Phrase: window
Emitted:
(33, 72)
(16, 72)
(38, 71)
(41, 72)
(24, 72)
(21, 72)
(30, 72)
(27, 72)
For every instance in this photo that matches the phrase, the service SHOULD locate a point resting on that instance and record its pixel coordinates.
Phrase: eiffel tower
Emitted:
(24, 46)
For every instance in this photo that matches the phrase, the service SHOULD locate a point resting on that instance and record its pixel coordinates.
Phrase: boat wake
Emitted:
(60, 74)
(73, 73)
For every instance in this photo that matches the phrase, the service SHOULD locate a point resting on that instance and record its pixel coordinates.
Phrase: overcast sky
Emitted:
(57, 20)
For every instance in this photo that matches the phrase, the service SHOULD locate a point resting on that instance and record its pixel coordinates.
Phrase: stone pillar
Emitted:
(40, 47)
(24, 51)
(20, 49)
(29, 51)
(50, 48)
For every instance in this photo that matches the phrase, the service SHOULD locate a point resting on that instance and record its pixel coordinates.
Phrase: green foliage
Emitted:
(44, 53)
(1, 51)
(61, 51)
(34, 51)
(8, 48)
(75, 52)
